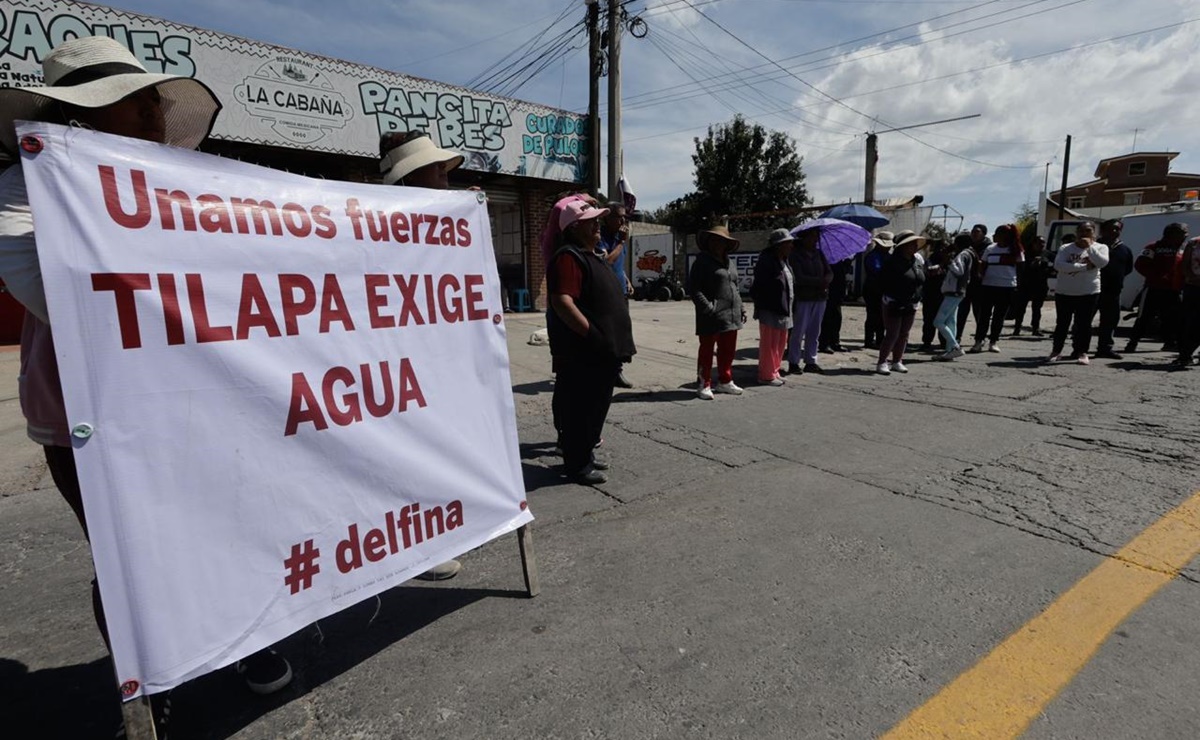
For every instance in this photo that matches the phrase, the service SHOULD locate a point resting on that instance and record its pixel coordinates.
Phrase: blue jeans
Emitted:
(946, 321)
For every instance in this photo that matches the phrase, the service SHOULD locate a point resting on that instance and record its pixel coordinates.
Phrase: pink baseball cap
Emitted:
(578, 211)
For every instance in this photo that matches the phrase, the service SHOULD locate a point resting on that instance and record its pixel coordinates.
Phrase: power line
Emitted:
(836, 59)
(996, 65)
(837, 45)
(851, 108)
(498, 67)
(788, 106)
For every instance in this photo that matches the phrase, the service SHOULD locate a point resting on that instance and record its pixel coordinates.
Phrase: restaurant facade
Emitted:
(323, 117)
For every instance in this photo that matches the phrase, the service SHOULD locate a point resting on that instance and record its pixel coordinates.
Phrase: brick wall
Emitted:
(535, 206)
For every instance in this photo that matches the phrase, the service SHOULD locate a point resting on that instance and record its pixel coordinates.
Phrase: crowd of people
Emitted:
(797, 297)
(992, 280)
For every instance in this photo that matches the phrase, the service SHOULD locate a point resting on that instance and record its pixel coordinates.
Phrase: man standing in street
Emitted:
(1160, 263)
(1112, 281)
(614, 238)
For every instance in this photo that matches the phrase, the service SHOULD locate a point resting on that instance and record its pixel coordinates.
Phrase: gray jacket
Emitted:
(713, 284)
(958, 273)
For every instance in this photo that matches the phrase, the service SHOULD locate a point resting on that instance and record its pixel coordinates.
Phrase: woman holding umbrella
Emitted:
(813, 277)
(902, 278)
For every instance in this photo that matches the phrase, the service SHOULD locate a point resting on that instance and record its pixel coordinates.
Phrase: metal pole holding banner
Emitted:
(139, 720)
(533, 585)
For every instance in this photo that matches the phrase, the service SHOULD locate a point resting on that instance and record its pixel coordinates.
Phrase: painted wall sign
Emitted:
(282, 97)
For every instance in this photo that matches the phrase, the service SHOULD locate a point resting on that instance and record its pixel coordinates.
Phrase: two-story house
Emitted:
(1129, 183)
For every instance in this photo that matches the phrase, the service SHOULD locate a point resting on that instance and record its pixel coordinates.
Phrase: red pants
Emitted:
(772, 343)
(726, 343)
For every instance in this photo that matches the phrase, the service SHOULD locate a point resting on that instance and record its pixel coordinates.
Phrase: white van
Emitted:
(1140, 230)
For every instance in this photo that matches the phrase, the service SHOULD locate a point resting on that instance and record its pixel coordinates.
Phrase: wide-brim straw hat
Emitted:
(909, 238)
(883, 239)
(96, 71)
(411, 156)
(720, 233)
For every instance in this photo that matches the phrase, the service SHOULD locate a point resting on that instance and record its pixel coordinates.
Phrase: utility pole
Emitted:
(873, 152)
(614, 99)
(869, 177)
(1062, 198)
(594, 65)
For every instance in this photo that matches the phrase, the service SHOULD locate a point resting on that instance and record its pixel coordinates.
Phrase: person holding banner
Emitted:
(411, 158)
(590, 335)
(96, 83)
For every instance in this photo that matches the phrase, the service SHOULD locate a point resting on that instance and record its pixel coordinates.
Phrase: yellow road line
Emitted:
(1005, 691)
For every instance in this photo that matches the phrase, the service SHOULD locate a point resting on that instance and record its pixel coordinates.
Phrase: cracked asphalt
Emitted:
(815, 560)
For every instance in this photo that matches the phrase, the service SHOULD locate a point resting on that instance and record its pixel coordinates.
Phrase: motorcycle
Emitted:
(665, 287)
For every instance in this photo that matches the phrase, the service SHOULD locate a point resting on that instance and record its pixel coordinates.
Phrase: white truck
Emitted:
(1140, 229)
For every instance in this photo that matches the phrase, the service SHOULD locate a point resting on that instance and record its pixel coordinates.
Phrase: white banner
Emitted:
(284, 97)
(287, 394)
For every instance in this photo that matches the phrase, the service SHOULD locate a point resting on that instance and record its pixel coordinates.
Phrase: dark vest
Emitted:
(602, 302)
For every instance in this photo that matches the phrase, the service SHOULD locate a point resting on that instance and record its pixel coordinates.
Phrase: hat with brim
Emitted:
(910, 238)
(717, 235)
(409, 157)
(578, 210)
(780, 236)
(96, 71)
(883, 239)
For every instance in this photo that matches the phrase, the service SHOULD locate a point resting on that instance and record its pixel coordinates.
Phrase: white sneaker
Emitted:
(705, 393)
(899, 367)
(883, 368)
(993, 346)
(976, 348)
(773, 382)
(954, 354)
(731, 388)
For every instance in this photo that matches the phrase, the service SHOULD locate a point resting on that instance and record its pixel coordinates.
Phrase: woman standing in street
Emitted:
(1077, 294)
(719, 312)
(954, 287)
(813, 276)
(773, 290)
(590, 333)
(1000, 262)
(901, 279)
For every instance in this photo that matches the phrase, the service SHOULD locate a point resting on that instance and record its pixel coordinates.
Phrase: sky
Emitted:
(1113, 74)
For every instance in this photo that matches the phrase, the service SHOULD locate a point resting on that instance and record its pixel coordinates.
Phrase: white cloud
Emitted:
(1099, 93)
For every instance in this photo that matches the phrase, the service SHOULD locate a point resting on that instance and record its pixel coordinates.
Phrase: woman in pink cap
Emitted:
(590, 334)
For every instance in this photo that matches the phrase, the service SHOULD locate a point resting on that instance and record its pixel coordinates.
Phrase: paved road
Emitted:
(816, 560)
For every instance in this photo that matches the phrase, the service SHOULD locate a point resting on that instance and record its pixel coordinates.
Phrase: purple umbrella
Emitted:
(839, 240)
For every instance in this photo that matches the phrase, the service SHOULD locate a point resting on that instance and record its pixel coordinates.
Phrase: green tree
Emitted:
(742, 168)
(936, 231)
(1026, 219)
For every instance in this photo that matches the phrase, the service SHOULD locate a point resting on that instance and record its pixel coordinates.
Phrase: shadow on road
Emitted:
(1165, 366)
(80, 701)
(76, 701)
(534, 389)
(681, 394)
